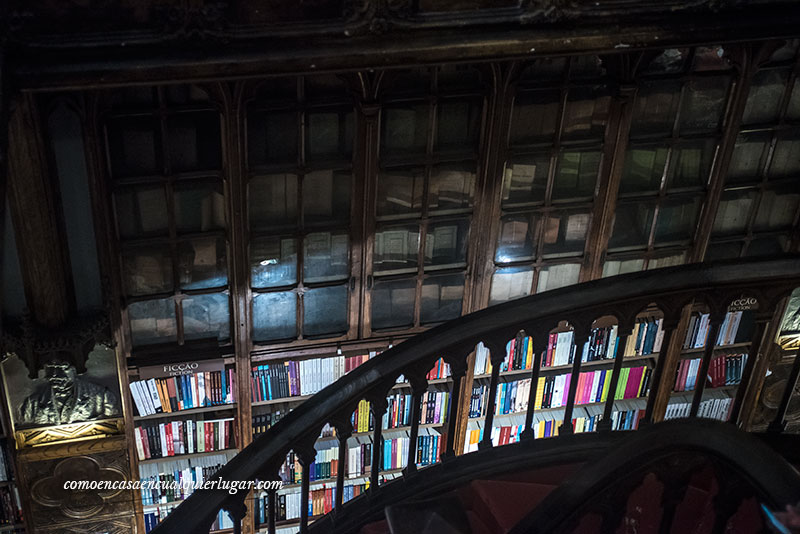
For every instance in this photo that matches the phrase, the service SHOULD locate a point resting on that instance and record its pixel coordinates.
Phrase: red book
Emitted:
(510, 354)
(393, 463)
(208, 434)
(505, 431)
(170, 443)
(549, 354)
(145, 442)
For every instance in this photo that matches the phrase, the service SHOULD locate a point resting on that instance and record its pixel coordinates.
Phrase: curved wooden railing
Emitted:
(673, 451)
(765, 282)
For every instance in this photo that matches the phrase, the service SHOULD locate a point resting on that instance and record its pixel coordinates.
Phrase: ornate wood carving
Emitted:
(67, 433)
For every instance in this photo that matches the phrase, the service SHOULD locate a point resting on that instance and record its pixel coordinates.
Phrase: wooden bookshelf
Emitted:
(188, 413)
(186, 456)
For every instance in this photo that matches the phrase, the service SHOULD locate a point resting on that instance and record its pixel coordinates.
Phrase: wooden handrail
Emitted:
(623, 297)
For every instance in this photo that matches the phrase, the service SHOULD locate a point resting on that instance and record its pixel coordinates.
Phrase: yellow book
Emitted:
(623, 382)
(539, 393)
(641, 383)
(529, 357)
(606, 386)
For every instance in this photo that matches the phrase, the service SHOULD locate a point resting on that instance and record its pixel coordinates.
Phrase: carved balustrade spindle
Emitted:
(608, 409)
(378, 407)
(579, 337)
(419, 384)
(539, 340)
(458, 368)
(344, 429)
(306, 455)
(715, 320)
(497, 355)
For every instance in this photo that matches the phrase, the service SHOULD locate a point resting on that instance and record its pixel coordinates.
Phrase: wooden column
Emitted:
(35, 210)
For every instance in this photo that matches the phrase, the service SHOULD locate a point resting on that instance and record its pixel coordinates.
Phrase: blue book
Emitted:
(223, 386)
(599, 396)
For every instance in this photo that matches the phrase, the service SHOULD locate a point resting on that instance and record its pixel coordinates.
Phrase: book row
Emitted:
(435, 406)
(718, 408)
(196, 468)
(646, 338)
(725, 370)
(553, 391)
(287, 505)
(183, 392)
(223, 520)
(161, 440)
(299, 377)
(184, 477)
(735, 328)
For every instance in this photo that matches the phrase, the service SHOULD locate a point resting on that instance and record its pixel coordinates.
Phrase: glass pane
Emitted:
(644, 168)
(458, 125)
(400, 192)
(668, 62)
(153, 321)
(325, 86)
(405, 129)
(709, 58)
(393, 303)
(733, 212)
(518, 235)
(632, 223)
(526, 179)
(586, 113)
(326, 198)
(451, 187)
(325, 256)
(132, 146)
(545, 70)
(655, 108)
(454, 76)
(273, 201)
(793, 111)
(555, 276)
(576, 175)
(535, 116)
(185, 94)
(746, 161)
(677, 219)
(202, 263)
(194, 141)
(273, 261)
(509, 283)
(691, 163)
(441, 298)
(446, 243)
(565, 233)
(777, 209)
(396, 248)
(274, 316)
(767, 246)
(325, 311)
(272, 137)
(723, 251)
(586, 66)
(764, 100)
(141, 211)
(329, 134)
(147, 269)
(199, 207)
(704, 103)
(786, 158)
(206, 316)
(667, 261)
(615, 267)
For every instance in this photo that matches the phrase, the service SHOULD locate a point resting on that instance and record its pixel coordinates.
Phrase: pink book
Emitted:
(566, 390)
(634, 380)
(587, 390)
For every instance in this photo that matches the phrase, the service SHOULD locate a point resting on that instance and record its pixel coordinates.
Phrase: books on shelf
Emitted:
(183, 392)
(440, 370)
(184, 471)
(714, 408)
(160, 502)
(262, 422)
(646, 338)
(174, 438)
(723, 370)
(297, 378)
(736, 328)
(553, 391)
(321, 501)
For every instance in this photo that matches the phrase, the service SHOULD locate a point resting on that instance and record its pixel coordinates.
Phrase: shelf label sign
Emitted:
(743, 303)
(180, 368)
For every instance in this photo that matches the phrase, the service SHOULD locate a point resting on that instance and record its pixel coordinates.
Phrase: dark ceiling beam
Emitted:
(57, 67)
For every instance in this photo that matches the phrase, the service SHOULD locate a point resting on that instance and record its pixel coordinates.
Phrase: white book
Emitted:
(191, 438)
(201, 389)
(558, 390)
(193, 382)
(162, 432)
(659, 336)
(144, 394)
(734, 329)
(141, 407)
(139, 448)
(612, 342)
(151, 386)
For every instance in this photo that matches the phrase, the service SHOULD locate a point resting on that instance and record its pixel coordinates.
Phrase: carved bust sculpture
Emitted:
(67, 398)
